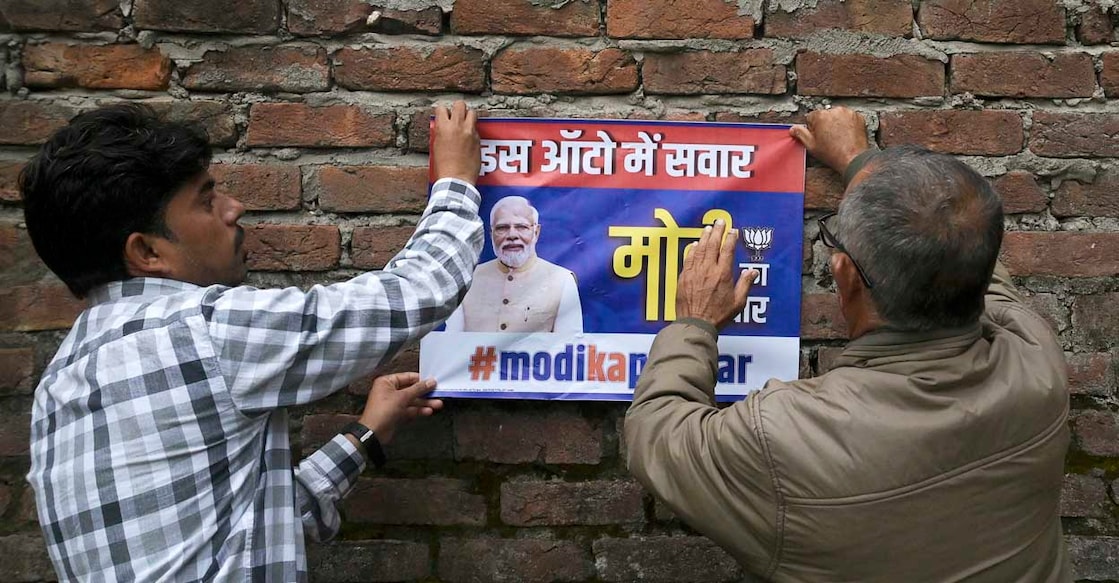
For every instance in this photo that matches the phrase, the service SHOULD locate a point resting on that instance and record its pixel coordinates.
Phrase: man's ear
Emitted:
(142, 257)
(846, 277)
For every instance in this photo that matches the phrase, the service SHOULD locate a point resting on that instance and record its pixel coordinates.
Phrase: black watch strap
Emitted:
(369, 443)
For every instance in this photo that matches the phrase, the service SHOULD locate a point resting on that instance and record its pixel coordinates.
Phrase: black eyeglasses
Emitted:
(831, 241)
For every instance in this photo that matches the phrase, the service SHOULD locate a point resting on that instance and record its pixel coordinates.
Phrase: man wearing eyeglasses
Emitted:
(518, 291)
(933, 451)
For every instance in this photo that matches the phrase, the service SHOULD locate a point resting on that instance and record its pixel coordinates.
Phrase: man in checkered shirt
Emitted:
(159, 437)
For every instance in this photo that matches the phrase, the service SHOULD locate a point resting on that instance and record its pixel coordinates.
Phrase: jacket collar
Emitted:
(138, 288)
(885, 345)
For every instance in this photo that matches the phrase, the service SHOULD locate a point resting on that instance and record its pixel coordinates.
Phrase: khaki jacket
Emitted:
(921, 457)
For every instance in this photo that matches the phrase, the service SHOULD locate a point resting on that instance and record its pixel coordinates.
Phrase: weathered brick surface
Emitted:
(1066, 135)
(1096, 432)
(19, 265)
(1096, 199)
(516, 17)
(372, 247)
(676, 19)
(15, 435)
(29, 308)
(868, 76)
(25, 559)
(16, 368)
(61, 15)
(995, 21)
(419, 131)
(208, 16)
(1020, 193)
(215, 117)
(1095, 27)
(1109, 75)
(1020, 74)
(56, 65)
(374, 561)
(693, 72)
(823, 189)
(564, 70)
(980, 133)
(293, 247)
(380, 189)
(259, 186)
(1094, 558)
(663, 559)
(430, 501)
(524, 437)
(885, 17)
(428, 438)
(820, 317)
(9, 180)
(331, 17)
(1092, 373)
(31, 122)
(1061, 254)
(1084, 496)
(329, 126)
(439, 68)
(1051, 309)
(571, 503)
(512, 560)
(292, 68)
(1096, 318)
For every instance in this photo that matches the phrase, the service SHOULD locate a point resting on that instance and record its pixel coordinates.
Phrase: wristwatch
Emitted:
(369, 442)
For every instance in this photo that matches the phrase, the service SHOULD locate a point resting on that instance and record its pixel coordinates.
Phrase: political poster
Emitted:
(587, 222)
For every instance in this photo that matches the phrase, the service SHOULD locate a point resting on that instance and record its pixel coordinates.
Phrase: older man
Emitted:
(933, 451)
(518, 291)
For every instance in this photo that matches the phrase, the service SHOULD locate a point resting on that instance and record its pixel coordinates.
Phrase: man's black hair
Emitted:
(106, 175)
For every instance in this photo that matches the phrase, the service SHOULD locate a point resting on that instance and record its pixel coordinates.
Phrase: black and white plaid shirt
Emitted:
(159, 440)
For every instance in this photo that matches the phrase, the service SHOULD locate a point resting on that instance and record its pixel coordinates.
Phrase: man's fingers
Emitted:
(459, 111)
(419, 389)
(726, 250)
(472, 118)
(689, 255)
(742, 288)
(803, 135)
(441, 113)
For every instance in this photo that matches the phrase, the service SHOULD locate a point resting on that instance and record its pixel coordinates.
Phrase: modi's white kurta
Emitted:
(537, 297)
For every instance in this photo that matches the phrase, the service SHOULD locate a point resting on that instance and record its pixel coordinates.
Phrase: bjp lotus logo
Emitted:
(757, 240)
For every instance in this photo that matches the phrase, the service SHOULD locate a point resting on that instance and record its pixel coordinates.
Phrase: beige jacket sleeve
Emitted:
(708, 465)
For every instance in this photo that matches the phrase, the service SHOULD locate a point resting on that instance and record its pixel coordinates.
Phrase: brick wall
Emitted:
(317, 109)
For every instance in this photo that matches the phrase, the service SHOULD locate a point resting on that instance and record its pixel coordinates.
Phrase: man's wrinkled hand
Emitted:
(456, 150)
(396, 399)
(833, 136)
(707, 289)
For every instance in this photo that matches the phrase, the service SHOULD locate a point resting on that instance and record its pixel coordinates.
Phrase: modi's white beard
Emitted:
(515, 259)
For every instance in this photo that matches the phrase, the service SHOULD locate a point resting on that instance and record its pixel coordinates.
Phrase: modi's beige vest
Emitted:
(514, 300)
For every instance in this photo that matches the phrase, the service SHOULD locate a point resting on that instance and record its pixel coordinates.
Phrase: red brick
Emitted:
(19, 264)
(781, 117)
(512, 560)
(30, 308)
(564, 70)
(571, 503)
(57, 15)
(1093, 557)
(330, 17)
(1073, 135)
(53, 65)
(293, 247)
(1092, 373)
(31, 122)
(427, 438)
(1095, 27)
(15, 435)
(825, 358)
(369, 560)
(885, 17)
(1020, 193)
(867, 76)
(427, 68)
(1061, 254)
(428, 501)
(419, 131)
(680, 19)
(329, 126)
(25, 559)
(1109, 76)
(27, 511)
(695, 72)
(372, 247)
(380, 189)
(248, 16)
(996, 21)
(1084, 496)
(1095, 318)
(977, 133)
(260, 187)
(508, 437)
(1050, 308)
(17, 365)
(820, 317)
(663, 559)
(292, 68)
(9, 180)
(521, 18)
(1096, 199)
(213, 116)
(1022, 74)
(823, 189)
(1096, 432)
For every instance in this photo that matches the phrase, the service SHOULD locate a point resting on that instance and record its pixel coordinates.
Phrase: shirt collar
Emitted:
(891, 344)
(139, 288)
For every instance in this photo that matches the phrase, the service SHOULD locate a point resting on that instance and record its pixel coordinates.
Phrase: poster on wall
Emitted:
(586, 226)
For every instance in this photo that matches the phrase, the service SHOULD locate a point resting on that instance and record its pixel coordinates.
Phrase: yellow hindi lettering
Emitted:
(648, 247)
